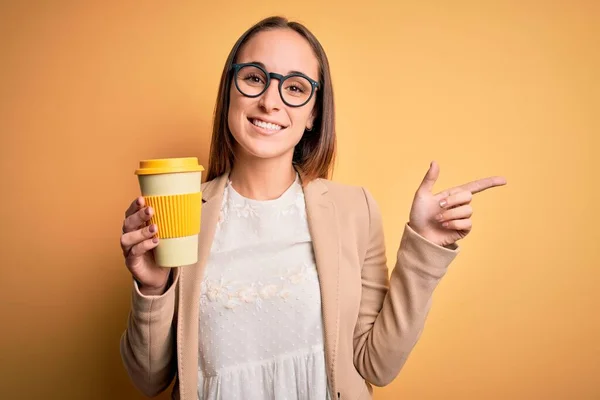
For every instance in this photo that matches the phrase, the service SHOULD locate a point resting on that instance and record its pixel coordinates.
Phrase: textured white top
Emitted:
(260, 325)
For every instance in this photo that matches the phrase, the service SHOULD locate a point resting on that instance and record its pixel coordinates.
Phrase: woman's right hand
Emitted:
(137, 243)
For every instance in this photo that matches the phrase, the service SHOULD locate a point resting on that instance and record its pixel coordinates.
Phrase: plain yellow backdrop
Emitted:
(484, 87)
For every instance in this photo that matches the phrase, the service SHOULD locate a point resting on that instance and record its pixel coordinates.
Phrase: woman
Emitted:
(290, 298)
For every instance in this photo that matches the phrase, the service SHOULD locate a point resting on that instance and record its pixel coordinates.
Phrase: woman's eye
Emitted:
(254, 79)
(295, 89)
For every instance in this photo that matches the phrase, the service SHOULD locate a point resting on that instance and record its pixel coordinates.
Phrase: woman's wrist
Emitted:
(151, 291)
(147, 290)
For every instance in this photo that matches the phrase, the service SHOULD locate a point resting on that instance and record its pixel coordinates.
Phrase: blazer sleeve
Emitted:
(393, 310)
(148, 343)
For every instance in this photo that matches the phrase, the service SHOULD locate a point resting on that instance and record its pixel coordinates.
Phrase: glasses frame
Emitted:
(314, 85)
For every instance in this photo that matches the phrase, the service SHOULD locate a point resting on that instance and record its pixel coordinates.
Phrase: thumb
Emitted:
(430, 177)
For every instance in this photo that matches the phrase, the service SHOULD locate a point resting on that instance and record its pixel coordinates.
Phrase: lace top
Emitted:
(260, 325)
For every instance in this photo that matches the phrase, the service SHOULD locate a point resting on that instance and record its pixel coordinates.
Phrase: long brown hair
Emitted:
(314, 155)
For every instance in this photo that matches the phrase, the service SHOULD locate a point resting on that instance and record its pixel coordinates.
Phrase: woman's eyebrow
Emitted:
(288, 73)
(259, 63)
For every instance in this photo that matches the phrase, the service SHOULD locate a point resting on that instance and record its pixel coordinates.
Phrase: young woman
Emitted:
(290, 298)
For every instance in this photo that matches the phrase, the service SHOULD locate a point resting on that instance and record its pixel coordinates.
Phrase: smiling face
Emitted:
(264, 126)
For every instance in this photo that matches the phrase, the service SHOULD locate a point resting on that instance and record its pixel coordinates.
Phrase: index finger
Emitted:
(136, 205)
(483, 184)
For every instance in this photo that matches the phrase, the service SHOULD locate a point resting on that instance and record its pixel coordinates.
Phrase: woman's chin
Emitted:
(267, 152)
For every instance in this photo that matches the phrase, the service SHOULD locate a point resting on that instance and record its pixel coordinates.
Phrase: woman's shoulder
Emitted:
(341, 189)
(348, 195)
(355, 208)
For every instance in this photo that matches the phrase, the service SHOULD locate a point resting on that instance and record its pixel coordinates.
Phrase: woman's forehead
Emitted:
(281, 51)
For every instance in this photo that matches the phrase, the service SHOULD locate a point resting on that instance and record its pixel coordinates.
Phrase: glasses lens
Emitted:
(296, 90)
(251, 80)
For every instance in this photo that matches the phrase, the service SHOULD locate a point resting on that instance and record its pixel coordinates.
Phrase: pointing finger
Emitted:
(483, 184)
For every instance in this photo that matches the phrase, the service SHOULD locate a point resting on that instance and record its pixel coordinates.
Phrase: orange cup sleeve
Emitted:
(176, 215)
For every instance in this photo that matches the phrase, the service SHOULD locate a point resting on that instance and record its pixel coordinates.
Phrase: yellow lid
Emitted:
(169, 166)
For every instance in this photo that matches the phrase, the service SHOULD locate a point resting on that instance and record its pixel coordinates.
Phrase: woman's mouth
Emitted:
(267, 126)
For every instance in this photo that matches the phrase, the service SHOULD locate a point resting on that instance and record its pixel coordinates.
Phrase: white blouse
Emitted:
(260, 325)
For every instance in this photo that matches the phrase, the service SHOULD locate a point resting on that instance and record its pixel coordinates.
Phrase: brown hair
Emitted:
(315, 153)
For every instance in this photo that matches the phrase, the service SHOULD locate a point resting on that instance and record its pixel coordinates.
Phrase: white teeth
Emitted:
(266, 125)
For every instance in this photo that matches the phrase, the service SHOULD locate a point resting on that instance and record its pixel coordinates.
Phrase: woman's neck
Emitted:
(262, 179)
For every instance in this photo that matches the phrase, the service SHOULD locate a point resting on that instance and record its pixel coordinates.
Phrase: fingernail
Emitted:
(148, 210)
(155, 240)
(443, 203)
(445, 224)
(439, 217)
(152, 228)
(138, 202)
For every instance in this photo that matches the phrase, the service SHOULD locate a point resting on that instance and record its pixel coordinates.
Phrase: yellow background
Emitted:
(507, 87)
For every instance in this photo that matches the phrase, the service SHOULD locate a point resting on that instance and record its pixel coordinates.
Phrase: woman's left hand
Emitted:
(445, 217)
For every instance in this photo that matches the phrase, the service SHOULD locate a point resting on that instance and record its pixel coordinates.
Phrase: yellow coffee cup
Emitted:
(172, 187)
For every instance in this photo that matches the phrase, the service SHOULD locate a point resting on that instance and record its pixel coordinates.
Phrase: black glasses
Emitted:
(252, 80)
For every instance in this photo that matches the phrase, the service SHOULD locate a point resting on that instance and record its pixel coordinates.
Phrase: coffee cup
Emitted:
(172, 187)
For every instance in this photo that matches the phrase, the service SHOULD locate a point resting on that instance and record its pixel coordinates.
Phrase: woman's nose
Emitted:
(270, 100)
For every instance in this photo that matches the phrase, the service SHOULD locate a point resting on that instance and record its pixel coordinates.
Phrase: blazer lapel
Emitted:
(212, 197)
(323, 226)
(190, 279)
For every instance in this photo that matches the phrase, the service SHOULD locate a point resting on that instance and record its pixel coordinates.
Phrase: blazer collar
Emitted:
(324, 230)
(214, 188)
(190, 279)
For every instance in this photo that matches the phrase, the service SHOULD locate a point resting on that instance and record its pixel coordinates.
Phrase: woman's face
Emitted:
(281, 51)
